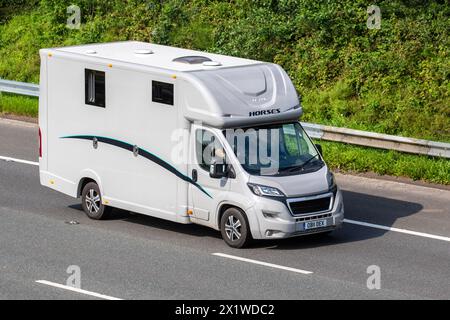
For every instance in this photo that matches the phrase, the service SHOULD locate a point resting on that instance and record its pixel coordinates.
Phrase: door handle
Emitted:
(194, 175)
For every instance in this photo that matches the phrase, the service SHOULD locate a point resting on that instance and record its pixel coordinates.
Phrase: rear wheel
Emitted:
(91, 201)
(234, 228)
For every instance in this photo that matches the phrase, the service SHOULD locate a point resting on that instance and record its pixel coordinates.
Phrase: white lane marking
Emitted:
(262, 263)
(360, 223)
(89, 293)
(414, 233)
(8, 159)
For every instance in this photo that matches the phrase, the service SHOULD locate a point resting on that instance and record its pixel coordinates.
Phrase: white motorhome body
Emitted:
(123, 124)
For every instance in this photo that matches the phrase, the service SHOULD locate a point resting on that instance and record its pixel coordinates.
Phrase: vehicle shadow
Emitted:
(157, 223)
(358, 206)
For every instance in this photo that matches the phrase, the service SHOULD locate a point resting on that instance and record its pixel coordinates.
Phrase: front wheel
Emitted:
(234, 228)
(91, 201)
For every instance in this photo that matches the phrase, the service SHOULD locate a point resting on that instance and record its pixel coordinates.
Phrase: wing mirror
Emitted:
(218, 170)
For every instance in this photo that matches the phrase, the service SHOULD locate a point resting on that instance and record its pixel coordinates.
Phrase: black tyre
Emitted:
(234, 228)
(91, 201)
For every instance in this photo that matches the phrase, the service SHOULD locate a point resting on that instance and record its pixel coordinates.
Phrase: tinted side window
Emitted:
(162, 92)
(94, 88)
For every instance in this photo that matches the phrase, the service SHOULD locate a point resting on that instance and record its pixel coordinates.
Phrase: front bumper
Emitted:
(273, 220)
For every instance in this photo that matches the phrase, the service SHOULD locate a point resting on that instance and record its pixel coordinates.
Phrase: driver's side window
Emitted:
(208, 149)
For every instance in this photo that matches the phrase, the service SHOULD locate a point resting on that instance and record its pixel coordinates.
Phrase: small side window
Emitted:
(94, 88)
(162, 92)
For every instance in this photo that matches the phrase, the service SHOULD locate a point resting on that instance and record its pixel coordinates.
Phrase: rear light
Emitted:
(40, 143)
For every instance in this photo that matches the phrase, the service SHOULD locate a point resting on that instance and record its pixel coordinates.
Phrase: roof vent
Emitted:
(91, 52)
(143, 51)
(192, 59)
(211, 64)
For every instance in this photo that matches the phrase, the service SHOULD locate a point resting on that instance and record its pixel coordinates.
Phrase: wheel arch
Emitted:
(224, 207)
(249, 215)
(87, 176)
(83, 182)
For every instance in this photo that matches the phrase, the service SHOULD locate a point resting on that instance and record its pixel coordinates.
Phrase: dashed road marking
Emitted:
(77, 290)
(271, 265)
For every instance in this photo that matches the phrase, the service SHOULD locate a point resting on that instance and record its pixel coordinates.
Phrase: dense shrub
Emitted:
(393, 80)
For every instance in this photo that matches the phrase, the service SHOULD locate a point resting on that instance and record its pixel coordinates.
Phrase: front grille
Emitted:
(310, 206)
(314, 217)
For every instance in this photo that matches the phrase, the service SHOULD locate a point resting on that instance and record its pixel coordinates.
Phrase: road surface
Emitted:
(401, 228)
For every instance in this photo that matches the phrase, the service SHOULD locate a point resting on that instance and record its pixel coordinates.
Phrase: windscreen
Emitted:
(282, 149)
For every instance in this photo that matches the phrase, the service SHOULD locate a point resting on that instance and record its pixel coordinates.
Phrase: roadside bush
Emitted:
(391, 80)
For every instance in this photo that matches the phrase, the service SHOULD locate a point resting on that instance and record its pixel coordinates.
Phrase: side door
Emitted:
(207, 192)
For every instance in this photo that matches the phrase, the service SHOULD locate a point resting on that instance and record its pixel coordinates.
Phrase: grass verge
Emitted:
(350, 158)
(18, 105)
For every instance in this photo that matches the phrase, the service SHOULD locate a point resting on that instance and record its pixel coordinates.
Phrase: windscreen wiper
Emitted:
(301, 166)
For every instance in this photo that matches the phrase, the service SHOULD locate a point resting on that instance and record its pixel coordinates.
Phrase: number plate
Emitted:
(314, 224)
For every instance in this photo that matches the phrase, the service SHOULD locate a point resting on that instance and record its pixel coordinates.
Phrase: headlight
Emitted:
(331, 180)
(260, 190)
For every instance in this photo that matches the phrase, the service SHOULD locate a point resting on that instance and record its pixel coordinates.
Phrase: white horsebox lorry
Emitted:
(182, 135)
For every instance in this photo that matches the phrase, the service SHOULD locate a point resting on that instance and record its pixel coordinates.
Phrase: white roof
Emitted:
(136, 52)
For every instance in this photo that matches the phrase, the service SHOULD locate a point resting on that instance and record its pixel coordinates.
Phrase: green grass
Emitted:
(393, 80)
(18, 105)
(350, 158)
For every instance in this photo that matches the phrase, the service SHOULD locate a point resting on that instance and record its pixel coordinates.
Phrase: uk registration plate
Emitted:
(315, 224)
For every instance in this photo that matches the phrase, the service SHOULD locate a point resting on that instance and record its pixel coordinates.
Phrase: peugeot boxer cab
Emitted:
(183, 135)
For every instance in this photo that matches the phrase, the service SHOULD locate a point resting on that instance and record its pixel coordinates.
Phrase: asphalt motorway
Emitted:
(402, 229)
